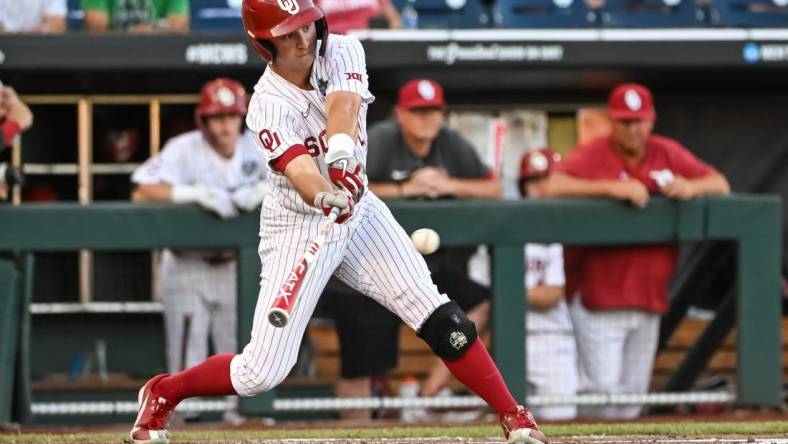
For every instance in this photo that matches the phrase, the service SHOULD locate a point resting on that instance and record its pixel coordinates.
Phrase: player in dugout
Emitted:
(309, 113)
(218, 167)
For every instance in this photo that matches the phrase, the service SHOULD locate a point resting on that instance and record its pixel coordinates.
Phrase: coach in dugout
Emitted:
(618, 293)
(415, 156)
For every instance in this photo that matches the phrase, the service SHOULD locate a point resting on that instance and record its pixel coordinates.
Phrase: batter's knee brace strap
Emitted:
(448, 332)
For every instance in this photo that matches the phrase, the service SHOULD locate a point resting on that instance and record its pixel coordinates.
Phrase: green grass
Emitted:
(689, 428)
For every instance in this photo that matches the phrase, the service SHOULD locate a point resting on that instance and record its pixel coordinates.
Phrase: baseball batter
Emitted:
(219, 167)
(309, 113)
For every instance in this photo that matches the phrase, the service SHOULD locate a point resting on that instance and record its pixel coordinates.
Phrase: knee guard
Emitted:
(448, 332)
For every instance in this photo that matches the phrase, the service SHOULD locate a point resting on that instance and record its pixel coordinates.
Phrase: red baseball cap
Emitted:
(421, 93)
(631, 101)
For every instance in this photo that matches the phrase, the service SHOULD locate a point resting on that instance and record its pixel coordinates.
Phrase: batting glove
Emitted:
(326, 200)
(249, 197)
(343, 168)
(213, 199)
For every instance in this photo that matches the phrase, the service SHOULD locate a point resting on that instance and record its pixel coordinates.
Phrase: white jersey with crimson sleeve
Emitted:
(290, 121)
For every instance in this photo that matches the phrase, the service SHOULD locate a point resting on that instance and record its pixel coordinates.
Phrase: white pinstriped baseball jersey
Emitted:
(188, 159)
(284, 115)
(370, 251)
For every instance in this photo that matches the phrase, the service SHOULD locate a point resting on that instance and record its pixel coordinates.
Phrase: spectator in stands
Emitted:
(345, 15)
(218, 167)
(618, 293)
(141, 16)
(414, 156)
(34, 16)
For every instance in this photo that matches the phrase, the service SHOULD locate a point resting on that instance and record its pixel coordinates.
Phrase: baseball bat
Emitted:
(282, 307)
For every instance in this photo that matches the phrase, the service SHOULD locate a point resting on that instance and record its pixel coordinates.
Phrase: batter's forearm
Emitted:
(309, 185)
(342, 114)
(306, 178)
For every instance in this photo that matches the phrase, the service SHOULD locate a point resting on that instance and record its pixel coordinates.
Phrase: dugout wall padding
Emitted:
(751, 221)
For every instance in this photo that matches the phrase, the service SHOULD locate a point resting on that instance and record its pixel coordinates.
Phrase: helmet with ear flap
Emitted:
(266, 19)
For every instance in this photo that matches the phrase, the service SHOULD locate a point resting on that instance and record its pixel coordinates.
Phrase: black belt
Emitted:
(210, 257)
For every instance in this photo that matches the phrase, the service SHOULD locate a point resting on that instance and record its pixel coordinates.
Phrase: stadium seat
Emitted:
(652, 14)
(216, 16)
(544, 14)
(750, 13)
(437, 14)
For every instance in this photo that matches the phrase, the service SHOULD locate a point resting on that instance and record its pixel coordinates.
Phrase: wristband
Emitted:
(340, 146)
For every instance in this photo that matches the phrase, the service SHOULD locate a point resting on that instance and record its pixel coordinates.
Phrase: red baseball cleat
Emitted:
(151, 424)
(519, 427)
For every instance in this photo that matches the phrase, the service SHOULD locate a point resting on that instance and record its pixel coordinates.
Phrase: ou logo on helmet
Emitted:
(289, 6)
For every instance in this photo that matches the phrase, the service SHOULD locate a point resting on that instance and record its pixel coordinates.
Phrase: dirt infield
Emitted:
(571, 440)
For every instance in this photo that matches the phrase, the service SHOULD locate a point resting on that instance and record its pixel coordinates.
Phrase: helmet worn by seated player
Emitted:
(220, 96)
(267, 19)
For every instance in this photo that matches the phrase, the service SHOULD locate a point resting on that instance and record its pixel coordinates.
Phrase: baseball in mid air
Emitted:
(426, 240)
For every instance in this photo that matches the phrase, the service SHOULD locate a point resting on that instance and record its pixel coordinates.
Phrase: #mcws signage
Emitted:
(217, 54)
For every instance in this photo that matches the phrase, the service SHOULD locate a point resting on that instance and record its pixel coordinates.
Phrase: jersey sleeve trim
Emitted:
(280, 163)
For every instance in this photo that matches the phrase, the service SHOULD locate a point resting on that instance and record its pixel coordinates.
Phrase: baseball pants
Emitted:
(552, 371)
(370, 253)
(199, 300)
(616, 350)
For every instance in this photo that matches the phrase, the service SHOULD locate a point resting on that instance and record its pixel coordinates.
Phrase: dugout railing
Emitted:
(751, 221)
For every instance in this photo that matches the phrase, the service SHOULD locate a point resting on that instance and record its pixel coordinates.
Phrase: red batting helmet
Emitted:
(220, 96)
(537, 163)
(266, 19)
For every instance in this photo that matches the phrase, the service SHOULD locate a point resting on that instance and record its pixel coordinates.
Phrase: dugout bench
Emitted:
(752, 221)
